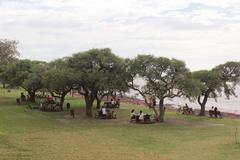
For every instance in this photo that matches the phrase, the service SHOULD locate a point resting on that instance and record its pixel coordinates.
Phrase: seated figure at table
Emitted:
(113, 102)
(118, 102)
(104, 112)
(23, 97)
(133, 114)
(217, 113)
(141, 116)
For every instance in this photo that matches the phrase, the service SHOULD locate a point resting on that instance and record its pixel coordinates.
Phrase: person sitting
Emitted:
(211, 112)
(68, 106)
(23, 97)
(141, 116)
(190, 111)
(53, 99)
(154, 102)
(112, 103)
(185, 109)
(108, 116)
(132, 115)
(118, 102)
(49, 99)
(147, 118)
(217, 113)
(104, 112)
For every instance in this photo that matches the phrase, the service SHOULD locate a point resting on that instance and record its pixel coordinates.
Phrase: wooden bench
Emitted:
(146, 119)
(215, 114)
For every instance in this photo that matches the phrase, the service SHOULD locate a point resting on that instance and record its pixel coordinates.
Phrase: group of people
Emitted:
(115, 102)
(103, 112)
(187, 110)
(215, 112)
(139, 116)
(24, 98)
(50, 99)
(50, 107)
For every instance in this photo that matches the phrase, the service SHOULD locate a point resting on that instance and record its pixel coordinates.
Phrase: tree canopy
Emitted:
(221, 79)
(164, 78)
(96, 73)
(8, 50)
(94, 68)
(26, 74)
(59, 79)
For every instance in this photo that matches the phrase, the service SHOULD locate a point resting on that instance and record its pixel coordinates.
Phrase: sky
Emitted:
(203, 33)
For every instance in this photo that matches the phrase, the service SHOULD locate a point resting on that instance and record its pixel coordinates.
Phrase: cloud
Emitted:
(191, 30)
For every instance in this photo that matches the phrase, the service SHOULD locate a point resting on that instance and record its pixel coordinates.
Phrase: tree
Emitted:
(221, 79)
(26, 74)
(163, 77)
(210, 86)
(59, 79)
(8, 53)
(92, 69)
(8, 50)
(112, 83)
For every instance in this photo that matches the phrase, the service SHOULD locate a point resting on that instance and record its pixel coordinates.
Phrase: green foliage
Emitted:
(97, 70)
(59, 79)
(164, 78)
(221, 79)
(229, 73)
(8, 51)
(26, 74)
(95, 67)
(210, 82)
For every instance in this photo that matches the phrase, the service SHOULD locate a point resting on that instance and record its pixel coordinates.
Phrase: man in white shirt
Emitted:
(141, 116)
(104, 111)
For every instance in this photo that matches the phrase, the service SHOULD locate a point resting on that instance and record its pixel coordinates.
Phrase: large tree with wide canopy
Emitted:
(163, 78)
(95, 69)
(221, 79)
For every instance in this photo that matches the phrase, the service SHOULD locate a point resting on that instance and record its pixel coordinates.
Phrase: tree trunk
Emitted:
(98, 102)
(162, 110)
(156, 113)
(62, 101)
(203, 103)
(202, 111)
(89, 104)
(4, 86)
(32, 96)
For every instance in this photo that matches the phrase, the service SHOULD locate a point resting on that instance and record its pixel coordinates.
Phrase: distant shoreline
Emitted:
(171, 107)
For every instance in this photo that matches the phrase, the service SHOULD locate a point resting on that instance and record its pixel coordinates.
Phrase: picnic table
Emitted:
(109, 115)
(146, 119)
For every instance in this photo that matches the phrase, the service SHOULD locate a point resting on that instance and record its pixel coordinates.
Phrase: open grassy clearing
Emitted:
(26, 134)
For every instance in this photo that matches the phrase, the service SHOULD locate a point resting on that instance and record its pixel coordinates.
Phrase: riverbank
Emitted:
(173, 107)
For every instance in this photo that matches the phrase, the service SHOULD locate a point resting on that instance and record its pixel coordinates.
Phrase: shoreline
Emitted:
(171, 107)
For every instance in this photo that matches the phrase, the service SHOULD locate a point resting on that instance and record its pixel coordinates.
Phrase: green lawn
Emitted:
(27, 134)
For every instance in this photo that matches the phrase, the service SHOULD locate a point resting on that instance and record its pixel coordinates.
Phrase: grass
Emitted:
(26, 134)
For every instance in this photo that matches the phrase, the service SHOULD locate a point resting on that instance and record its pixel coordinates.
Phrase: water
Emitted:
(231, 105)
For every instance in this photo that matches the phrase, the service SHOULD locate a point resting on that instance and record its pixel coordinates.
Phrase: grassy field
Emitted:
(28, 134)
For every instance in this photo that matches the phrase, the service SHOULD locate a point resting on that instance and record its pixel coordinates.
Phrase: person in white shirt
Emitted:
(141, 116)
(104, 111)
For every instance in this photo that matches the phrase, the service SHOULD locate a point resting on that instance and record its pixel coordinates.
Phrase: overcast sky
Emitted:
(201, 33)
